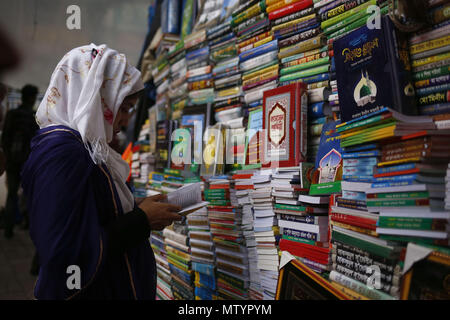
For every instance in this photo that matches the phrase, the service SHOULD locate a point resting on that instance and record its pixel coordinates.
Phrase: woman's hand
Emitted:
(159, 214)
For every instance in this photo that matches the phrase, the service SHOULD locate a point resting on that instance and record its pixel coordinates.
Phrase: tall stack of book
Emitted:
(430, 55)
(163, 286)
(199, 75)
(243, 187)
(304, 58)
(404, 202)
(179, 259)
(266, 230)
(257, 51)
(202, 254)
(231, 253)
(178, 87)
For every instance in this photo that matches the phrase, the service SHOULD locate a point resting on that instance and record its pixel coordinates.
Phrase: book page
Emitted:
(186, 196)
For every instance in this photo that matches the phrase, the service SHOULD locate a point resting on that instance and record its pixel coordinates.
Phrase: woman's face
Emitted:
(124, 114)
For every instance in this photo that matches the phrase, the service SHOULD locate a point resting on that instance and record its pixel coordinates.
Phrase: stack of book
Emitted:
(304, 230)
(163, 287)
(430, 55)
(164, 129)
(266, 230)
(199, 70)
(402, 177)
(257, 52)
(244, 186)
(231, 253)
(179, 259)
(202, 254)
(178, 86)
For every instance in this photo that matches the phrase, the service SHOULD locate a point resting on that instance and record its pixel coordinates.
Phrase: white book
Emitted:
(314, 199)
(355, 186)
(415, 233)
(313, 228)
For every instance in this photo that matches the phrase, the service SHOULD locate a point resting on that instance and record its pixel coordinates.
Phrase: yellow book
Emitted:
(430, 45)
(354, 228)
(349, 292)
(364, 131)
(293, 22)
(436, 58)
(261, 77)
(179, 253)
(259, 72)
(399, 161)
(279, 4)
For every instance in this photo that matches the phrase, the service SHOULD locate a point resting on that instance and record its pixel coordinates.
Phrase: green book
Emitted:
(345, 22)
(305, 73)
(272, 63)
(354, 25)
(303, 66)
(401, 195)
(176, 257)
(366, 135)
(347, 14)
(302, 55)
(219, 203)
(433, 73)
(300, 240)
(289, 207)
(393, 203)
(325, 188)
(406, 223)
(370, 247)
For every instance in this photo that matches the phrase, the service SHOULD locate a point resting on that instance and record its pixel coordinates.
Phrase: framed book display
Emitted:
(284, 143)
(298, 282)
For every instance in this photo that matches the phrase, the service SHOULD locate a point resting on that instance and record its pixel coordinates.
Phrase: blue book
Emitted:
(359, 170)
(255, 104)
(360, 162)
(302, 234)
(329, 155)
(401, 167)
(305, 26)
(202, 52)
(199, 78)
(265, 48)
(362, 154)
(358, 178)
(392, 184)
(405, 177)
(354, 195)
(171, 16)
(361, 147)
(380, 76)
(434, 109)
(430, 90)
(319, 110)
(204, 268)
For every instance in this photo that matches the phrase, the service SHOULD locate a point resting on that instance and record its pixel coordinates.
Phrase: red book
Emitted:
(284, 11)
(242, 176)
(354, 221)
(282, 143)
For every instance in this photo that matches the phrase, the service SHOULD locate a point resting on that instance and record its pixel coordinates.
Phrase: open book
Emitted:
(188, 197)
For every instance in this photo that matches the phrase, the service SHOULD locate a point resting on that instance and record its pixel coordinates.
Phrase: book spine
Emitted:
(364, 245)
(388, 266)
(293, 16)
(301, 219)
(435, 109)
(303, 46)
(433, 89)
(412, 223)
(299, 37)
(281, 11)
(312, 62)
(302, 234)
(433, 73)
(432, 65)
(347, 14)
(358, 286)
(306, 73)
(435, 98)
(348, 5)
(270, 46)
(389, 278)
(365, 279)
(430, 45)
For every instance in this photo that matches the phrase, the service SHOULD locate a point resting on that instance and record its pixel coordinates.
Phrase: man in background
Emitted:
(19, 128)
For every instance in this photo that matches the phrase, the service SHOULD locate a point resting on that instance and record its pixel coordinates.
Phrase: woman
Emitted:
(82, 213)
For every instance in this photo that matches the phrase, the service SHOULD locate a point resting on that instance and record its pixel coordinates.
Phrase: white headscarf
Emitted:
(86, 90)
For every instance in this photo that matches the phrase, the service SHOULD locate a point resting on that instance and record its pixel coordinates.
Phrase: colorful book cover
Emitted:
(373, 71)
(329, 157)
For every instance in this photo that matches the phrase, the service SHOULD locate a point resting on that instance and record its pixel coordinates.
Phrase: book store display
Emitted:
(305, 141)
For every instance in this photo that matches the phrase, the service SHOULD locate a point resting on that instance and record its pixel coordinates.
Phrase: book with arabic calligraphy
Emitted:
(284, 122)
